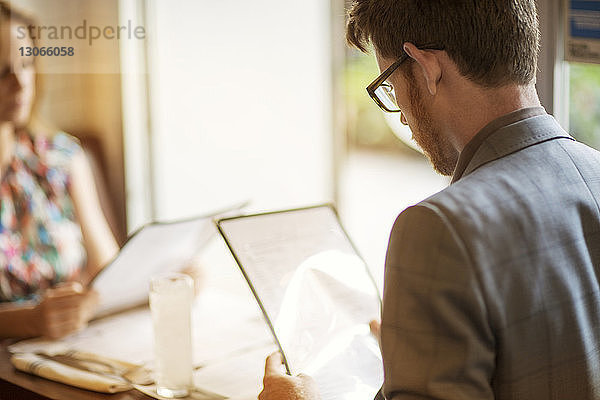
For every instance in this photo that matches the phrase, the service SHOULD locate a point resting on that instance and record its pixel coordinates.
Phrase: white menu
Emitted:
(316, 294)
(154, 249)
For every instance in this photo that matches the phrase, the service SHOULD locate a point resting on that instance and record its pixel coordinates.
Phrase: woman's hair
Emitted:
(34, 123)
(492, 42)
(7, 11)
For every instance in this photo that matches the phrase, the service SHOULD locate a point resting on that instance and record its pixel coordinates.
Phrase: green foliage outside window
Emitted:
(584, 103)
(366, 126)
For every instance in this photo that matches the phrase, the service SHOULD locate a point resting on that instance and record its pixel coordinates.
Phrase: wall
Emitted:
(82, 99)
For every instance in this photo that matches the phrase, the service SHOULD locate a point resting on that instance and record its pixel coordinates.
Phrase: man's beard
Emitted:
(428, 136)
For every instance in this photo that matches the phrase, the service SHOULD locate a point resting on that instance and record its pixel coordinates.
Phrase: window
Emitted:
(380, 174)
(584, 103)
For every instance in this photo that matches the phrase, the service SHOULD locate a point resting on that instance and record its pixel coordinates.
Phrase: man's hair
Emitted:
(493, 42)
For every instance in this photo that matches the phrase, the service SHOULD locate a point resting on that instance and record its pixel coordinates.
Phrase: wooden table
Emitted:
(248, 344)
(225, 294)
(16, 385)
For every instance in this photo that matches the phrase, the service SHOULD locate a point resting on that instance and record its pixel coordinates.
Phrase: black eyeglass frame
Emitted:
(373, 86)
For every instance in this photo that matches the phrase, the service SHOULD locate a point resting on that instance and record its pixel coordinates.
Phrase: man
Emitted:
(492, 285)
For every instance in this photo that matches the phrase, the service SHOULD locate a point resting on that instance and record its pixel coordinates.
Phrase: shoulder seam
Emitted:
(461, 243)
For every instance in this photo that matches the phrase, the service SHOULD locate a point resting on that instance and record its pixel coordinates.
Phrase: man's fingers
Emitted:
(375, 328)
(307, 379)
(273, 365)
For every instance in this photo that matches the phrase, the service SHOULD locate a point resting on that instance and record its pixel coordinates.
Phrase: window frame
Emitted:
(553, 71)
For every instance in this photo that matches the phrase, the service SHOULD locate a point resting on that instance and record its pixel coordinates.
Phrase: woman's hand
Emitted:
(65, 309)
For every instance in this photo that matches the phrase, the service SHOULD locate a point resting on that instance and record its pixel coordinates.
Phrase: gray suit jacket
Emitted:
(492, 285)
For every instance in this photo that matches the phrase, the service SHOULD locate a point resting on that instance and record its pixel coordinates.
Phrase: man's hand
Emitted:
(279, 386)
(65, 309)
(376, 330)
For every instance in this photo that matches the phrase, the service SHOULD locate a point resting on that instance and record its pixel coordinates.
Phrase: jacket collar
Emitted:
(507, 135)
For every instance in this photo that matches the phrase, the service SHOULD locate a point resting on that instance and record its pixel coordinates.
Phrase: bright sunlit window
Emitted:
(584, 103)
(381, 174)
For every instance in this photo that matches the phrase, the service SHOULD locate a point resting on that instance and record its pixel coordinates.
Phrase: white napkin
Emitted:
(42, 366)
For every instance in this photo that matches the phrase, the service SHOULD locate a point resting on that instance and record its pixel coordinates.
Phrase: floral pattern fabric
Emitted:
(40, 239)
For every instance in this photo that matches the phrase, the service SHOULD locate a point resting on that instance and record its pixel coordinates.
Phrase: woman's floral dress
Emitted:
(40, 239)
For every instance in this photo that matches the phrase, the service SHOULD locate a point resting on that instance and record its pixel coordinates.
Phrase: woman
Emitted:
(53, 234)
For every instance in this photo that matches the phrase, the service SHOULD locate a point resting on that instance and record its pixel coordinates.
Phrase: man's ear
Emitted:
(429, 64)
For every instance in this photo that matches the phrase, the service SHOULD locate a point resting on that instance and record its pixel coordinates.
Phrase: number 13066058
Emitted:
(47, 51)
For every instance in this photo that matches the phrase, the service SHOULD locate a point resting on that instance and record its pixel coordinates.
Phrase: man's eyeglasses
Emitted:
(382, 92)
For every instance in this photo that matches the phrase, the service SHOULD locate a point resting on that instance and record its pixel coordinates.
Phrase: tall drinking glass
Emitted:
(171, 298)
